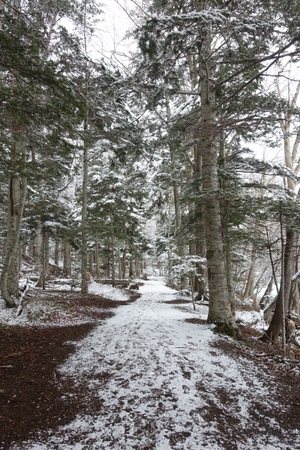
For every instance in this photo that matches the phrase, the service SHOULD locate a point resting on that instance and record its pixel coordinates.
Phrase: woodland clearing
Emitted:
(139, 372)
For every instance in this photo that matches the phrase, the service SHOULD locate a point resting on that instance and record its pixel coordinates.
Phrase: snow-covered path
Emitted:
(161, 385)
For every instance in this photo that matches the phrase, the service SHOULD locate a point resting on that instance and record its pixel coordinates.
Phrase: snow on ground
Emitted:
(38, 308)
(162, 385)
(251, 318)
(108, 291)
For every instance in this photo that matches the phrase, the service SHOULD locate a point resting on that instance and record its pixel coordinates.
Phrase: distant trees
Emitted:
(39, 110)
(117, 211)
(57, 101)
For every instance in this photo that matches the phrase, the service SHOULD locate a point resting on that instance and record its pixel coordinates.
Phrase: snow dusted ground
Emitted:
(161, 385)
(107, 291)
(37, 312)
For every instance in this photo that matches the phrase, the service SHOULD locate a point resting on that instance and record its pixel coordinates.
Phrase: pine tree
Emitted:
(38, 114)
(225, 69)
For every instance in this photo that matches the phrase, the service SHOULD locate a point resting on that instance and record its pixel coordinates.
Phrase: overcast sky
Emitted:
(112, 29)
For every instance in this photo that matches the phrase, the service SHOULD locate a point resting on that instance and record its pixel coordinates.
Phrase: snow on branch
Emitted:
(297, 275)
(262, 166)
(189, 265)
(207, 17)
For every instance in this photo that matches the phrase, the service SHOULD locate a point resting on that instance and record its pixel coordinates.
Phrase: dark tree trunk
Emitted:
(275, 327)
(10, 272)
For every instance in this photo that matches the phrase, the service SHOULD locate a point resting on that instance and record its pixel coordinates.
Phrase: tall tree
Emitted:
(225, 38)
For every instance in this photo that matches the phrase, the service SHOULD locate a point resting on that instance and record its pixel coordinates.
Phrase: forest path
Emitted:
(161, 383)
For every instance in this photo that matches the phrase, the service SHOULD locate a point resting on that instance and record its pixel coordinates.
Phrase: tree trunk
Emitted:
(67, 259)
(228, 266)
(10, 272)
(249, 289)
(137, 266)
(219, 303)
(45, 260)
(119, 264)
(97, 260)
(84, 256)
(38, 248)
(91, 262)
(175, 185)
(131, 273)
(200, 278)
(124, 262)
(266, 297)
(113, 263)
(56, 252)
(84, 236)
(275, 326)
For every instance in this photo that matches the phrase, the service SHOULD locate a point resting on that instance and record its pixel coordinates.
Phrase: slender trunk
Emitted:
(124, 261)
(296, 297)
(97, 260)
(108, 262)
(10, 274)
(275, 326)
(84, 237)
(177, 234)
(84, 256)
(175, 186)
(249, 289)
(131, 273)
(266, 297)
(113, 264)
(44, 259)
(228, 266)
(56, 252)
(200, 279)
(67, 259)
(119, 264)
(38, 247)
(91, 262)
(137, 266)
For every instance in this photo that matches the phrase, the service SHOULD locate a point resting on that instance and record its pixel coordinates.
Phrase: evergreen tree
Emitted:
(39, 110)
(226, 67)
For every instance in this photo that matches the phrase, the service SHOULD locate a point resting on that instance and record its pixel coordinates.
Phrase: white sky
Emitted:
(112, 29)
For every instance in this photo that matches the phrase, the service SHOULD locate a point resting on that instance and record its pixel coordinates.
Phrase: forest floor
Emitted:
(143, 372)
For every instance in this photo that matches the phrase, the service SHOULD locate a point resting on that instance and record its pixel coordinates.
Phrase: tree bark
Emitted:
(38, 248)
(97, 260)
(44, 259)
(124, 253)
(84, 236)
(84, 256)
(200, 280)
(67, 259)
(10, 273)
(249, 289)
(275, 326)
(219, 303)
(56, 251)
(91, 262)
